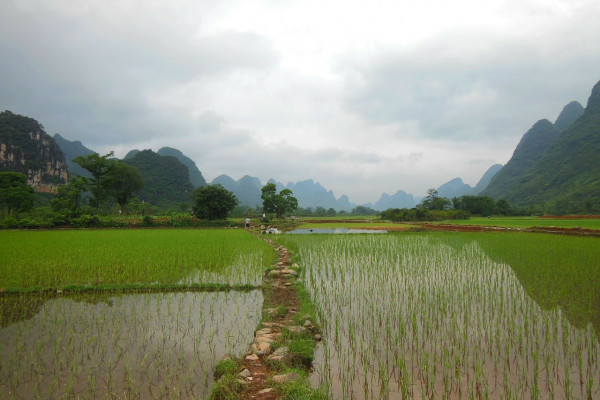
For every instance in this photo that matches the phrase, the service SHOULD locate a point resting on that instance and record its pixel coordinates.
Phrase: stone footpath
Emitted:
(281, 305)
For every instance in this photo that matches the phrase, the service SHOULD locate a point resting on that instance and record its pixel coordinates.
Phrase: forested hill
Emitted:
(72, 150)
(568, 175)
(569, 114)
(196, 177)
(26, 148)
(166, 179)
(529, 151)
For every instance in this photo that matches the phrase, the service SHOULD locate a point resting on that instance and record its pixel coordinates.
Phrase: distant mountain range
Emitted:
(554, 166)
(309, 194)
(456, 187)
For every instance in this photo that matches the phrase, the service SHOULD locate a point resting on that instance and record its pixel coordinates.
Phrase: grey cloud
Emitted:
(463, 87)
(92, 79)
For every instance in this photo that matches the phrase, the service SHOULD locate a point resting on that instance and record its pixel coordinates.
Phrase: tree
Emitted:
(482, 205)
(279, 204)
(15, 194)
(320, 211)
(213, 202)
(503, 207)
(363, 210)
(69, 195)
(434, 202)
(122, 181)
(98, 166)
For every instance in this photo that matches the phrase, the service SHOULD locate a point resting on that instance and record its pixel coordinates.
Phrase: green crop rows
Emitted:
(97, 258)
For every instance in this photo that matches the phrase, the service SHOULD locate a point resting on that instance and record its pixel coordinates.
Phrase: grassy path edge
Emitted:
(279, 360)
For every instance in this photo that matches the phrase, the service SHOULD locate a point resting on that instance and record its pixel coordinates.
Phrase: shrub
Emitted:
(84, 221)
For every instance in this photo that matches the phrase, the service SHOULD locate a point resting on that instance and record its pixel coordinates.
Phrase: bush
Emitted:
(147, 221)
(84, 221)
(28, 223)
(10, 223)
(420, 214)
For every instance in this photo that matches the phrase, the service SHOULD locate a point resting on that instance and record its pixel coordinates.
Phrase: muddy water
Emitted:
(162, 345)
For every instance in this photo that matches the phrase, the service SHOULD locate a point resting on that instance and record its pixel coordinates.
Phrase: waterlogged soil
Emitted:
(157, 345)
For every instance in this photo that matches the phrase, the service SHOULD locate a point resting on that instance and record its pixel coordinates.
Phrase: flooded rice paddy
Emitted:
(306, 231)
(406, 316)
(152, 346)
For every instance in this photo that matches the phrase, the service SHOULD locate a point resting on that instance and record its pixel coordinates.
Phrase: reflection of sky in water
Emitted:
(334, 231)
(137, 343)
(408, 312)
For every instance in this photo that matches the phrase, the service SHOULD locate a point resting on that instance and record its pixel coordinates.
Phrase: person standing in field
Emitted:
(247, 222)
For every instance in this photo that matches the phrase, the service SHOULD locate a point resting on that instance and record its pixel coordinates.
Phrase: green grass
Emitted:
(528, 222)
(56, 259)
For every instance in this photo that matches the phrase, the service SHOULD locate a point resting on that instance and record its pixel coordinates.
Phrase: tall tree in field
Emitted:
(15, 194)
(98, 166)
(122, 181)
(69, 195)
(213, 202)
(278, 204)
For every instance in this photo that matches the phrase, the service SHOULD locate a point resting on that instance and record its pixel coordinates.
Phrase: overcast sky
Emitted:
(363, 97)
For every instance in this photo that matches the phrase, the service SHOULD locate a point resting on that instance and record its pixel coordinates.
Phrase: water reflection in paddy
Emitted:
(405, 316)
(334, 231)
(130, 346)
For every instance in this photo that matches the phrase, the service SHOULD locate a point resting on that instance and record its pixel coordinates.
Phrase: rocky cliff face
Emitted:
(26, 148)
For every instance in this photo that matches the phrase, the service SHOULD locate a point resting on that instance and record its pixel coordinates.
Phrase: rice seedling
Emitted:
(55, 259)
(448, 316)
(158, 345)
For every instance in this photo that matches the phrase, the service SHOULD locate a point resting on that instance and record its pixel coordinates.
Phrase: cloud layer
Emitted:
(362, 98)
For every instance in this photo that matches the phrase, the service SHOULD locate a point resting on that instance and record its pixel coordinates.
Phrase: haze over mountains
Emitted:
(555, 165)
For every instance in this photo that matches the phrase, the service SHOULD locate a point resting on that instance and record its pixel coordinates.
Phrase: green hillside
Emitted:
(166, 179)
(567, 177)
(196, 177)
(529, 151)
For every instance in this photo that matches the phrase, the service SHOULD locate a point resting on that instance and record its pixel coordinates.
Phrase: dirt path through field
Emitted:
(280, 306)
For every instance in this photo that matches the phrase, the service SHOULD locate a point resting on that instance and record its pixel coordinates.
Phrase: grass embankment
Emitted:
(529, 222)
(131, 259)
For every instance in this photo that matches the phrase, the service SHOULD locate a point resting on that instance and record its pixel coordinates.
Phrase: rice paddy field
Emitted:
(146, 257)
(528, 222)
(72, 328)
(455, 315)
(97, 314)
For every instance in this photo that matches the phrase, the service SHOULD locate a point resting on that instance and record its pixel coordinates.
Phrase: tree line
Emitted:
(436, 208)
